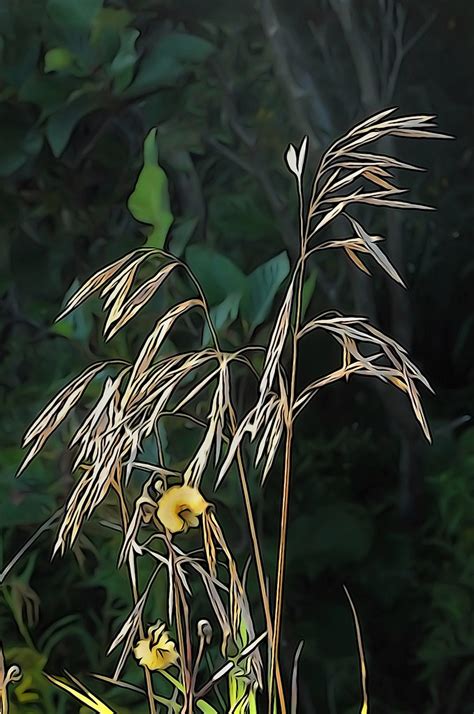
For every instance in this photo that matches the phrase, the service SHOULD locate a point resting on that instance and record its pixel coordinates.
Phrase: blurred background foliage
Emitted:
(229, 85)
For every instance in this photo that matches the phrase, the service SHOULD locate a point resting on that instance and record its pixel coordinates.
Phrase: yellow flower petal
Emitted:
(157, 632)
(157, 650)
(190, 519)
(179, 508)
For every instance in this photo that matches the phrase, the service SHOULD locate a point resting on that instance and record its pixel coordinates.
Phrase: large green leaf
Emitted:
(72, 24)
(107, 19)
(108, 33)
(63, 122)
(261, 288)
(223, 315)
(182, 233)
(123, 64)
(218, 275)
(77, 15)
(167, 60)
(227, 288)
(149, 201)
(49, 93)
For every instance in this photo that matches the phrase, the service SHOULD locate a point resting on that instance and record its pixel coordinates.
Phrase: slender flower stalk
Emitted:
(135, 596)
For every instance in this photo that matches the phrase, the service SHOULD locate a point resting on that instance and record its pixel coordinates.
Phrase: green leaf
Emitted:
(167, 60)
(182, 234)
(222, 315)
(57, 59)
(110, 18)
(21, 61)
(200, 704)
(149, 201)
(205, 707)
(123, 64)
(217, 275)
(107, 32)
(150, 149)
(17, 143)
(262, 286)
(175, 682)
(49, 92)
(77, 15)
(62, 123)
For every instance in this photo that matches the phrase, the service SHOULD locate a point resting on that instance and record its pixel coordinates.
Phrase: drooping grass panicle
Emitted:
(157, 502)
(339, 182)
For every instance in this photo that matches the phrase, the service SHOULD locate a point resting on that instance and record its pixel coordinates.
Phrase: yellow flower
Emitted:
(179, 508)
(156, 651)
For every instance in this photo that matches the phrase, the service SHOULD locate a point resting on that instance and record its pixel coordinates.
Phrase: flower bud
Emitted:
(204, 630)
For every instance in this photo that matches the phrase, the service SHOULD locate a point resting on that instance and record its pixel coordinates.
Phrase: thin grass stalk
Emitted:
(249, 511)
(288, 452)
(183, 643)
(198, 660)
(187, 632)
(125, 517)
(258, 560)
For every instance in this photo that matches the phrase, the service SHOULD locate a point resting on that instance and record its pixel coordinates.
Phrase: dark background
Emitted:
(229, 85)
